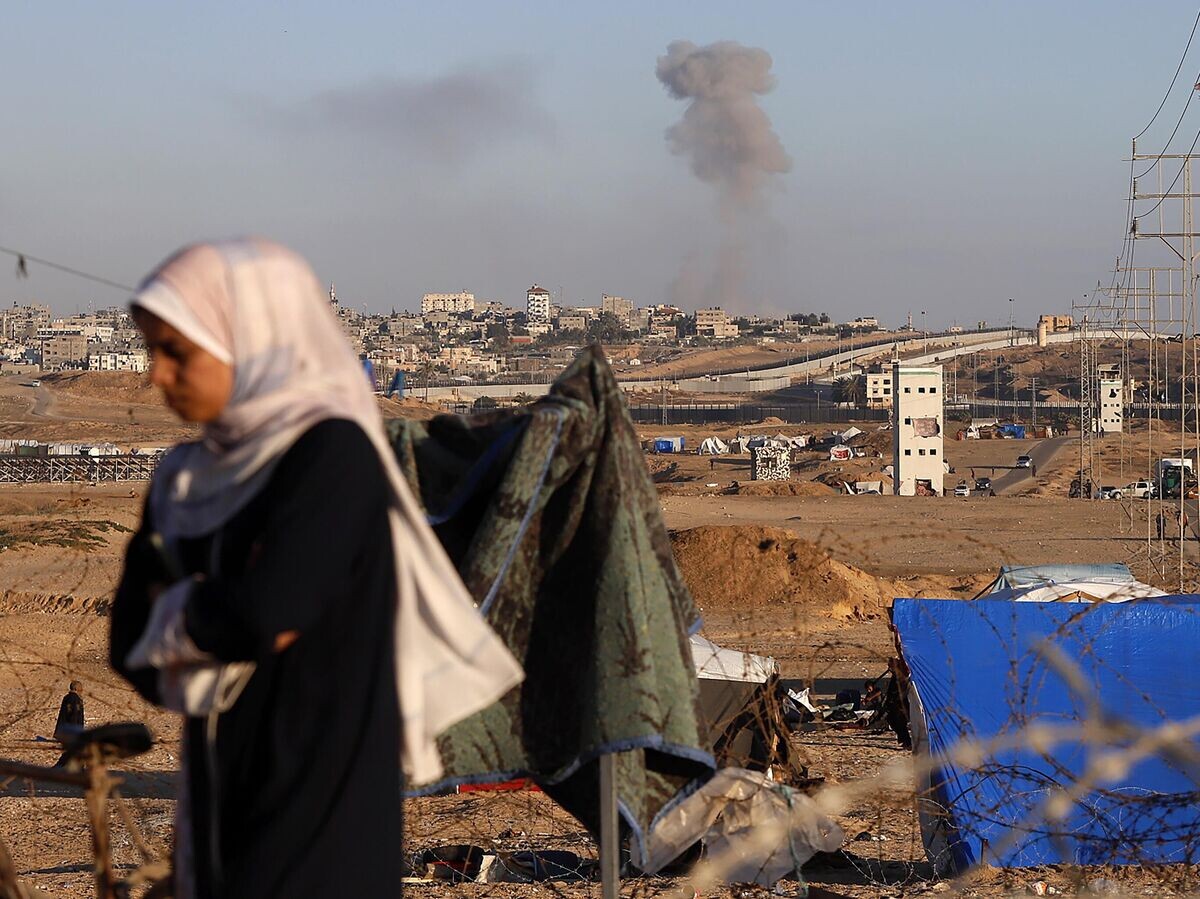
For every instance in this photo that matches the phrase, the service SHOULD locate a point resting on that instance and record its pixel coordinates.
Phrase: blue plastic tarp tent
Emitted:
(668, 444)
(981, 671)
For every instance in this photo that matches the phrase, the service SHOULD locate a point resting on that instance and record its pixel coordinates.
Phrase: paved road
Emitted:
(1041, 451)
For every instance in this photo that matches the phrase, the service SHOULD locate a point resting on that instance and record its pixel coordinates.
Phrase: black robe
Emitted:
(301, 785)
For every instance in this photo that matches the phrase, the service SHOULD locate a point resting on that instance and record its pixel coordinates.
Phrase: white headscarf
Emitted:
(258, 307)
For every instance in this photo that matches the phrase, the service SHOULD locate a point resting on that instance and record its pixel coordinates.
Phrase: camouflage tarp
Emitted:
(554, 524)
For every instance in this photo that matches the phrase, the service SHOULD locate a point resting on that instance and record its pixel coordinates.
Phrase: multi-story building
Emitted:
(617, 306)
(64, 351)
(572, 320)
(879, 387)
(640, 319)
(109, 358)
(917, 424)
(461, 303)
(714, 323)
(664, 328)
(21, 323)
(537, 304)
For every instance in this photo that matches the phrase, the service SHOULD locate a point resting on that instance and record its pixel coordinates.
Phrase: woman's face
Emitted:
(195, 383)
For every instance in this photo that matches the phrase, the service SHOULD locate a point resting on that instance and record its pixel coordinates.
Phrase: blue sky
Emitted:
(946, 156)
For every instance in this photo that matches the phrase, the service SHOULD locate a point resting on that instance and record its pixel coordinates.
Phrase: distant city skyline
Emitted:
(943, 156)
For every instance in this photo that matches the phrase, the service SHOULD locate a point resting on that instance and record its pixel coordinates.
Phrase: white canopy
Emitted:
(717, 663)
(1081, 591)
(714, 446)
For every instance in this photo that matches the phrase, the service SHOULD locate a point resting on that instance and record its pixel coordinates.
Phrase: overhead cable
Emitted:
(24, 258)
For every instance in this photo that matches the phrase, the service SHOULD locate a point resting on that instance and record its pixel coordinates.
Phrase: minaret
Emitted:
(332, 295)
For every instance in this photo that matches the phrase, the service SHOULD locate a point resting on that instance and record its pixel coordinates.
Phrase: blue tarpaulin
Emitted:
(980, 671)
(668, 444)
(1016, 431)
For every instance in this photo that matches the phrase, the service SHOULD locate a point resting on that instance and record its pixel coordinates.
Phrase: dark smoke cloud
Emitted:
(724, 132)
(443, 119)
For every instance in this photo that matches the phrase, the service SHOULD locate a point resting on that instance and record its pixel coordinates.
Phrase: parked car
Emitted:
(1141, 490)
(1110, 493)
(962, 489)
(1024, 462)
(983, 484)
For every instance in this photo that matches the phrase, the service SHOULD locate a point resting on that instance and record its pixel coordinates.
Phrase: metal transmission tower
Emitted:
(1088, 475)
(1157, 304)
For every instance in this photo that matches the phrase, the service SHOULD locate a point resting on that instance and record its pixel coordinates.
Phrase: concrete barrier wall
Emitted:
(732, 384)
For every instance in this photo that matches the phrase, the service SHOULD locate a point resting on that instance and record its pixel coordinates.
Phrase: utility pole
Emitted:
(1010, 321)
(1033, 402)
(925, 332)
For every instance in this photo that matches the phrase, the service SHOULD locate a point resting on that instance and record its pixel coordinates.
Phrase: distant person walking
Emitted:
(284, 592)
(70, 717)
(70, 711)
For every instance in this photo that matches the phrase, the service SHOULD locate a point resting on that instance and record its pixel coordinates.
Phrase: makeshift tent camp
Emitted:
(1112, 582)
(989, 670)
(713, 446)
(740, 706)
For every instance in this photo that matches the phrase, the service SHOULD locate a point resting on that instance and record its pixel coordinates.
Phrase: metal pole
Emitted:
(610, 846)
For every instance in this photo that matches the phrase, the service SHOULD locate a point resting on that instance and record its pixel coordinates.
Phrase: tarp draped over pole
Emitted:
(992, 670)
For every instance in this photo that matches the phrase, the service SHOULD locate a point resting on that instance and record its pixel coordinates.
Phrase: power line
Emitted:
(1174, 180)
(1178, 69)
(1174, 131)
(22, 258)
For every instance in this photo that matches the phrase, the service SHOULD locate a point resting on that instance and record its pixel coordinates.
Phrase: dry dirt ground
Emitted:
(804, 578)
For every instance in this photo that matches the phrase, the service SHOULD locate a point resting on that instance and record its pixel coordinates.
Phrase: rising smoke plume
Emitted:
(729, 141)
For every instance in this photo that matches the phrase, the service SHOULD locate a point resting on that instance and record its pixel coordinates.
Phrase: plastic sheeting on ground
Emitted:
(981, 671)
(755, 830)
(1017, 576)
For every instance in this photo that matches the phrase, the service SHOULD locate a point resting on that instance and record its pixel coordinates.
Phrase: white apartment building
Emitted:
(879, 388)
(537, 304)
(456, 303)
(118, 360)
(917, 426)
(1112, 400)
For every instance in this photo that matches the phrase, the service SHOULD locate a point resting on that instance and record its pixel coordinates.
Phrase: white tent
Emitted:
(1069, 583)
(714, 662)
(713, 446)
(1080, 591)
